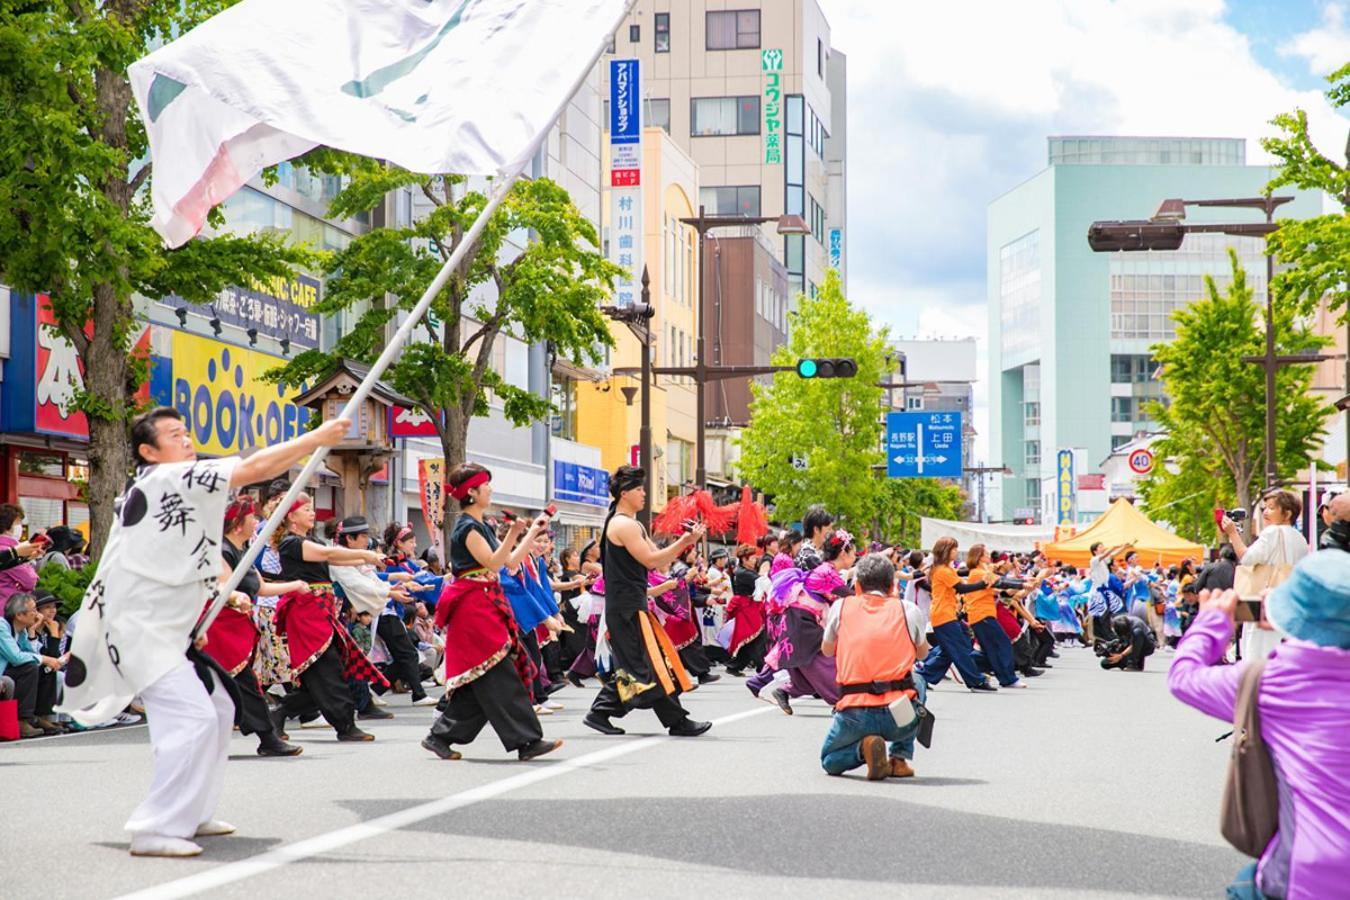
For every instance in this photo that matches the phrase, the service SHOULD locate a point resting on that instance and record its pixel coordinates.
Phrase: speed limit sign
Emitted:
(1141, 461)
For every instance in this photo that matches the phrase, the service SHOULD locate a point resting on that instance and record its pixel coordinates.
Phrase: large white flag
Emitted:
(460, 86)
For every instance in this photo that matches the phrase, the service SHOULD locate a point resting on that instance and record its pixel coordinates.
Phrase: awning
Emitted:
(1012, 538)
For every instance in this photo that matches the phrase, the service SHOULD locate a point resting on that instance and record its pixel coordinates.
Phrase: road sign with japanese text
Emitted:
(923, 445)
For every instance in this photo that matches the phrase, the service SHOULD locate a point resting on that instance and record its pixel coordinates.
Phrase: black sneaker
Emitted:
(374, 712)
(537, 748)
(709, 678)
(355, 735)
(983, 687)
(440, 748)
(689, 728)
(1030, 672)
(601, 724)
(575, 680)
(784, 702)
(271, 745)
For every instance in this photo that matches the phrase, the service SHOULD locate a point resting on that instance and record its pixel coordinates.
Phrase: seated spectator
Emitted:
(23, 664)
(21, 577)
(1134, 642)
(1304, 720)
(46, 639)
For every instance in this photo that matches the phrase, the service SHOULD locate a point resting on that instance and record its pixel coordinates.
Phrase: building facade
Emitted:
(1070, 329)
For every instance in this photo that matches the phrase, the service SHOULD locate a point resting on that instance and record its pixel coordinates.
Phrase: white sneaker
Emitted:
(214, 828)
(553, 705)
(376, 701)
(428, 700)
(1015, 684)
(162, 845)
(541, 710)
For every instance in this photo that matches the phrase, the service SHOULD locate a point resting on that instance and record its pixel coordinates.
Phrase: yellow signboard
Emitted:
(220, 392)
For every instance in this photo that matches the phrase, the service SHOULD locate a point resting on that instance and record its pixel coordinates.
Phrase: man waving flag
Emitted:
(462, 86)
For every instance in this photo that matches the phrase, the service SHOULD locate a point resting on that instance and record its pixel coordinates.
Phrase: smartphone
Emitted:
(40, 539)
(1218, 516)
(508, 516)
(551, 510)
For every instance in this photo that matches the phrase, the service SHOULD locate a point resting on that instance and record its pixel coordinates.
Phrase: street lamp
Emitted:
(1166, 231)
(637, 316)
(703, 223)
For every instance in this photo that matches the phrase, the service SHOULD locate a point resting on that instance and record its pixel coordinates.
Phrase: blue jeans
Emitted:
(840, 751)
(953, 649)
(997, 649)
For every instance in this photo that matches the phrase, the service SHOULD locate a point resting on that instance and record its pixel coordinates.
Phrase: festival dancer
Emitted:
(232, 639)
(323, 655)
(681, 619)
(648, 673)
(807, 605)
(488, 671)
(746, 615)
(590, 609)
(536, 613)
(981, 610)
(953, 646)
(159, 566)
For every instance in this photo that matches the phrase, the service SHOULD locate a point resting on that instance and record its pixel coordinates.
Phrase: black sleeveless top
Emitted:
(461, 560)
(625, 578)
(250, 583)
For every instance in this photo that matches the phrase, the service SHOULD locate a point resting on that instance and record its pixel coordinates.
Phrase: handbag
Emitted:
(1250, 813)
(9, 720)
(1251, 581)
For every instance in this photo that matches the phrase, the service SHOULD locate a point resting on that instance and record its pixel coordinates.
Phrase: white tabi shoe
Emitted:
(428, 700)
(214, 828)
(162, 845)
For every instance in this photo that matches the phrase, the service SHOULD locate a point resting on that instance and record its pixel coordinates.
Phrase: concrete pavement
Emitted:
(1087, 784)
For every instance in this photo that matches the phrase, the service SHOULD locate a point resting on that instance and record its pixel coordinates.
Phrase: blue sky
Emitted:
(950, 105)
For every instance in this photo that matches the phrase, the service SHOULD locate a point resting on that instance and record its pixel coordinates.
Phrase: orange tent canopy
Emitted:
(1122, 523)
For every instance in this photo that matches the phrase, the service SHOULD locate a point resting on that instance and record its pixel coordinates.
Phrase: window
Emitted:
(1033, 495)
(1033, 453)
(733, 30)
(817, 221)
(611, 49)
(662, 26)
(1032, 414)
(1119, 440)
(564, 420)
(724, 116)
(914, 402)
(731, 200)
(820, 57)
(635, 34)
(658, 114)
(1123, 409)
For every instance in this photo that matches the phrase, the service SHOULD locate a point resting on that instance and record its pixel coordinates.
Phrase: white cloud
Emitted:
(1325, 48)
(949, 106)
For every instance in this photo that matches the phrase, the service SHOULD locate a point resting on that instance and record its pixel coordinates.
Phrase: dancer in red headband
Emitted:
(487, 669)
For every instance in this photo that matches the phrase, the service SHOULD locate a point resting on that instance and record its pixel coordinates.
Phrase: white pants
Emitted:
(190, 734)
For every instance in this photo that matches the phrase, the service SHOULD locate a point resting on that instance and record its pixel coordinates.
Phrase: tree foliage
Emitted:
(549, 292)
(835, 426)
(73, 180)
(1316, 251)
(1212, 453)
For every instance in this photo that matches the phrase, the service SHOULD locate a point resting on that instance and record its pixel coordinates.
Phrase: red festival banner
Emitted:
(431, 491)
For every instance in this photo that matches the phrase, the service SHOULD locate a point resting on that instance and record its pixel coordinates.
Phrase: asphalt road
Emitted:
(1087, 784)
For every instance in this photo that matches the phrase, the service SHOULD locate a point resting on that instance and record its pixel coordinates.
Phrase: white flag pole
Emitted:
(395, 345)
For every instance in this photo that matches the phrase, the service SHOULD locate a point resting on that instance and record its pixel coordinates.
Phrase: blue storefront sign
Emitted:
(923, 445)
(576, 483)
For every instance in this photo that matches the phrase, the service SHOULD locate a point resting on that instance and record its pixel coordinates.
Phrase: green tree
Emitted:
(1316, 251)
(551, 291)
(903, 502)
(72, 182)
(1213, 449)
(831, 423)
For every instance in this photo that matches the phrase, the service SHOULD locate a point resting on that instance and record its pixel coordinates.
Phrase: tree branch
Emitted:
(138, 179)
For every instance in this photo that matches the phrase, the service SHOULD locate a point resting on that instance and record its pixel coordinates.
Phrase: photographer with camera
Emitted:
(1278, 543)
(1134, 642)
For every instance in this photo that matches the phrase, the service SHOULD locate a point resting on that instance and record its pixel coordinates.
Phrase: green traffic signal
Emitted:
(828, 367)
(806, 368)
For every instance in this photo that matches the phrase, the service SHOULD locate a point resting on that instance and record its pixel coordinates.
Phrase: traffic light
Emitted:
(832, 367)
(1144, 234)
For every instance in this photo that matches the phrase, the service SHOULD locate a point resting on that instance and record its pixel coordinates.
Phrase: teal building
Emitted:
(1070, 329)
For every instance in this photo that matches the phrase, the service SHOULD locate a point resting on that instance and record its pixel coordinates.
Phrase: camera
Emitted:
(1237, 515)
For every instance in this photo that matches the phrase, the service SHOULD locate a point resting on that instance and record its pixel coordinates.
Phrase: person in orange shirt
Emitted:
(953, 645)
(982, 616)
(875, 637)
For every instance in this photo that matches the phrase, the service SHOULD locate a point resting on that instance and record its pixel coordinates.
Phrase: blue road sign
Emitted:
(923, 445)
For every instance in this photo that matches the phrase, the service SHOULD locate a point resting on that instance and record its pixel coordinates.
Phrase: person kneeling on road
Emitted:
(1134, 641)
(875, 638)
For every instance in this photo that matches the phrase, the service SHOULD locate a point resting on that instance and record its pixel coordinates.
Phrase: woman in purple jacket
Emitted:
(1304, 707)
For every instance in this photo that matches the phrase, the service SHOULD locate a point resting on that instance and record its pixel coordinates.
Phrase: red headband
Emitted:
(404, 532)
(240, 508)
(461, 490)
(296, 505)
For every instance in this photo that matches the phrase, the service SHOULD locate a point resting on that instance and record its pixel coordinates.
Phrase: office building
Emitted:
(1070, 329)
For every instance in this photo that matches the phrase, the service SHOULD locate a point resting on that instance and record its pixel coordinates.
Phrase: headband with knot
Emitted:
(626, 480)
(461, 490)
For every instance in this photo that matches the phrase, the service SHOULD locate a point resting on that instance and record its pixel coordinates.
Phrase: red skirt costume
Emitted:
(480, 630)
(747, 616)
(675, 609)
(308, 620)
(231, 640)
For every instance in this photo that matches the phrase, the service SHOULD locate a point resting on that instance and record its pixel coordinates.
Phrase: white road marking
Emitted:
(335, 840)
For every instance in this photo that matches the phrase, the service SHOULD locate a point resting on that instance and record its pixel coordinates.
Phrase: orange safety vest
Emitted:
(874, 645)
